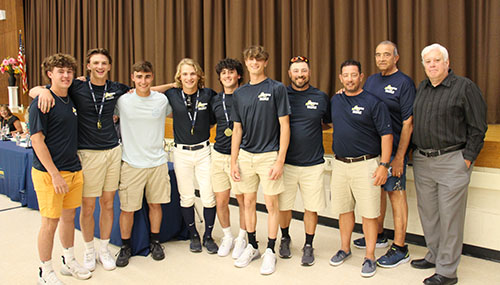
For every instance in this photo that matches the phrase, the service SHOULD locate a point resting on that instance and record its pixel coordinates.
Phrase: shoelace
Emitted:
(51, 277)
(122, 250)
(392, 251)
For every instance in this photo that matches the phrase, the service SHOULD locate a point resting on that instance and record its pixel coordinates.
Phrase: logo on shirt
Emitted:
(202, 106)
(264, 96)
(357, 110)
(312, 105)
(74, 111)
(109, 96)
(2, 174)
(390, 89)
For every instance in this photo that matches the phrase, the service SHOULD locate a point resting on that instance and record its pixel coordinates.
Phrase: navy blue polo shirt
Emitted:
(258, 108)
(310, 109)
(222, 142)
(182, 123)
(89, 136)
(60, 128)
(397, 91)
(358, 123)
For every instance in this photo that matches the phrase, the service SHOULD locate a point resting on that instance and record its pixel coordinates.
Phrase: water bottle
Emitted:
(28, 141)
(18, 139)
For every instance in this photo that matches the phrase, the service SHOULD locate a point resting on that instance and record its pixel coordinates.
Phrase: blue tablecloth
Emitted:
(16, 183)
(15, 174)
(172, 225)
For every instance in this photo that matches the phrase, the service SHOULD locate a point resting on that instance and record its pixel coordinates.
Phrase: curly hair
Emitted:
(230, 64)
(58, 60)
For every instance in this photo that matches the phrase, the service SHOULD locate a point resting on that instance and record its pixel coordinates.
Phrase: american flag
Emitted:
(22, 64)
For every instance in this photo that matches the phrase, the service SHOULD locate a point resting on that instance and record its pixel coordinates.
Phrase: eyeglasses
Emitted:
(299, 59)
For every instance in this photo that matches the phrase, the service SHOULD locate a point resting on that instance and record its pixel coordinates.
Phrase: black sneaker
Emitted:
(308, 256)
(210, 244)
(123, 256)
(381, 242)
(156, 250)
(285, 248)
(195, 244)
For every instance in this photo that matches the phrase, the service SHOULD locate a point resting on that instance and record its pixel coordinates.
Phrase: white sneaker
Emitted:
(49, 278)
(239, 247)
(72, 267)
(225, 246)
(105, 258)
(268, 262)
(89, 258)
(248, 255)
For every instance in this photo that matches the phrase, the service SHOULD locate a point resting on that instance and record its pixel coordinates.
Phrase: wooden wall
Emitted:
(9, 43)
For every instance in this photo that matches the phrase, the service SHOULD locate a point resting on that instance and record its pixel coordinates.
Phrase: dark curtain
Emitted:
(328, 32)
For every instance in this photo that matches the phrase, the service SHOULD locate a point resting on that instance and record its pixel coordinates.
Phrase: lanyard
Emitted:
(191, 118)
(99, 112)
(225, 108)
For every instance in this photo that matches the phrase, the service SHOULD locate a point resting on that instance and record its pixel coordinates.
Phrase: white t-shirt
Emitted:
(142, 126)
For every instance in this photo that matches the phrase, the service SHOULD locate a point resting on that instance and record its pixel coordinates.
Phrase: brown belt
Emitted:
(356, 159)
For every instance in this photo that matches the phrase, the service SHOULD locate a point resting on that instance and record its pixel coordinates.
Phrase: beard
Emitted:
(299, 86)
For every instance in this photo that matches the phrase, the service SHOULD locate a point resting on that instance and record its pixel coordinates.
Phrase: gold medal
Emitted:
(99, 125)
(228, 132)
(192, 130)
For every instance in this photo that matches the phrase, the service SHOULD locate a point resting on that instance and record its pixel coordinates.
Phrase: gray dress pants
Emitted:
(441, 183)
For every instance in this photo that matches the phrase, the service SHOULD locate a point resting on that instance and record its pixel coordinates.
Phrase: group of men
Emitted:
(266, 134)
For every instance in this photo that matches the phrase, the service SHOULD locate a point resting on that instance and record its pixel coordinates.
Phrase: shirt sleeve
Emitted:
(406, 99)
(235, 116)
(327, 117)
(381, 118)
(281, 99)
(475, 118)
(37, 120)
(121, 88)
(211, 113)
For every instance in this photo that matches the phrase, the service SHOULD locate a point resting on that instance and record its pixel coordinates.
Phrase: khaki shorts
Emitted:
(101, 170)
(352, 183)
(52, 204)
(254, 168)
(134, 181)
(220, 172)
(310, 181)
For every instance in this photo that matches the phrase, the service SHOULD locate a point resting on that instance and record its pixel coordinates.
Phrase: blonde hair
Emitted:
(197, 69)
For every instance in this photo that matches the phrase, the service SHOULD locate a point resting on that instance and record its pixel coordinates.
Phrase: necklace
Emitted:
(65, 102)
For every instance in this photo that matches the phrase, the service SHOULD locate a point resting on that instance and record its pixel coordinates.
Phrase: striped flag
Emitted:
(22, 64)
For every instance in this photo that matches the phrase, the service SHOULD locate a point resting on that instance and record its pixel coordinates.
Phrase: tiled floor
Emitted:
(19, 260)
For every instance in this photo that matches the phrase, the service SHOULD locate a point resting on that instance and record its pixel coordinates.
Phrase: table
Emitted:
(16, 183)
(172, 225)
(15, 174)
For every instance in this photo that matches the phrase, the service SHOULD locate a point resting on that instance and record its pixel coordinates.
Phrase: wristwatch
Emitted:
(384, 164)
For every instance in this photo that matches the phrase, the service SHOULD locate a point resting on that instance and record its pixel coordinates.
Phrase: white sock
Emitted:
(46, 266)
(89, 246)
(68, 254)
(242, 234)
(227, 232)
(104, 244)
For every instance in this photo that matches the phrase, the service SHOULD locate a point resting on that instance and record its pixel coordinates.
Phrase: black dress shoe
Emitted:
(422, 264)
(438, 279)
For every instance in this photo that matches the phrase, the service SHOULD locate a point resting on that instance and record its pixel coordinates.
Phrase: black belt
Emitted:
(438, 152)
(194, 147)
(356, 159)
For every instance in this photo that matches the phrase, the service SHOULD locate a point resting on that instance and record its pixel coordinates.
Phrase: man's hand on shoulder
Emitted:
(45, 99)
